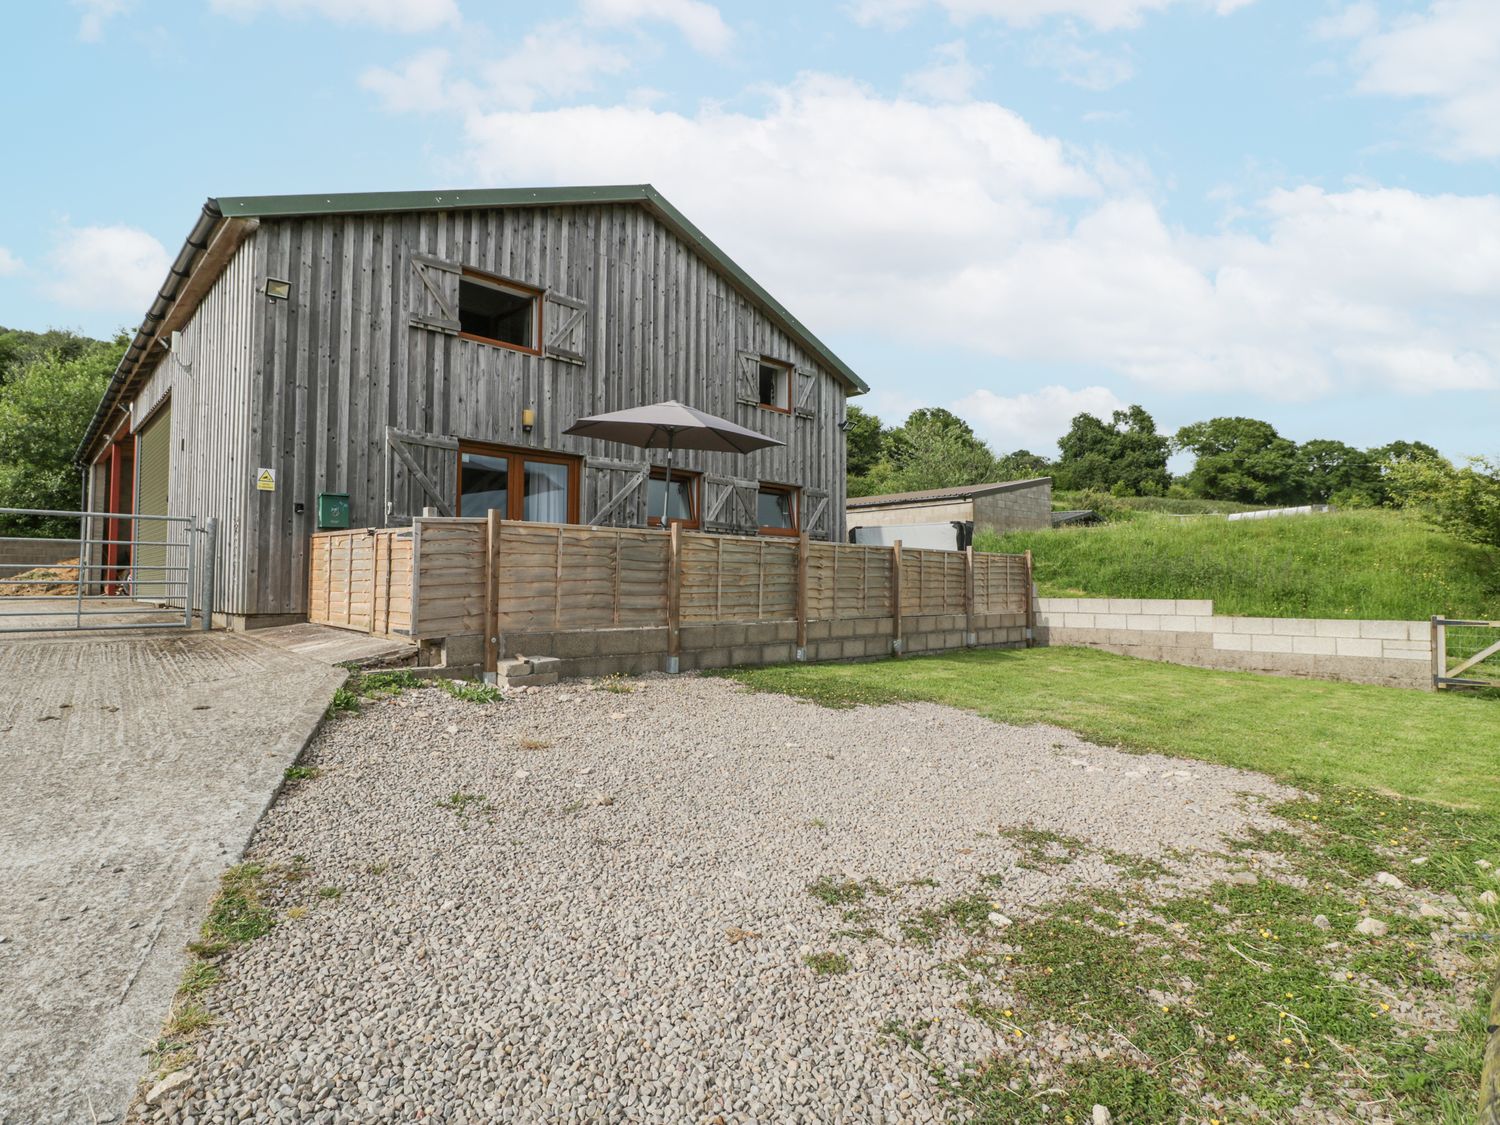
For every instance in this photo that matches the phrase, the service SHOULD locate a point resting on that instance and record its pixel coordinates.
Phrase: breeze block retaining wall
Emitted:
(598, 652)
(1395, 653)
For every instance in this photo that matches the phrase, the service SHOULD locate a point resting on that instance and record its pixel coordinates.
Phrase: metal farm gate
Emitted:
(1465, 654)
(117, 571)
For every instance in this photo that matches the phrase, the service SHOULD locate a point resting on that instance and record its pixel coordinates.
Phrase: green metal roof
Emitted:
(288, 206)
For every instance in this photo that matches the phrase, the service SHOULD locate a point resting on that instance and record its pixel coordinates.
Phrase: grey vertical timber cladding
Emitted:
(208, 380)
(341, 363)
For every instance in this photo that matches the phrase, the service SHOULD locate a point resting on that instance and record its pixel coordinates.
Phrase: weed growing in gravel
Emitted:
(828, 963)
(1247, 999)
(831, 891)
(615, 683)
(329, 893)
(471, 691)
(462, 803)
(198, 977)
(817, 822)
(371, 685)
(343, 700)
(301, 773)
(237, 913)
(1043, 850)
(378, 868)
(534, 744)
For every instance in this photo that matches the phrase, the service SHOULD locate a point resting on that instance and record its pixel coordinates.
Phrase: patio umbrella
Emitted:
(670, 426)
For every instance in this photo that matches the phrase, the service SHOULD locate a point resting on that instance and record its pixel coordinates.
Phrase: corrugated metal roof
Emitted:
(285, 206)
(960, 492)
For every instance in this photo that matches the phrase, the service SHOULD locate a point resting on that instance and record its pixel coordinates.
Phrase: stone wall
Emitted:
(1396, 653)
(1020, 509)
(599, 652)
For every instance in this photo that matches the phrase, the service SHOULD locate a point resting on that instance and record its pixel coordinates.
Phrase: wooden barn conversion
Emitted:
(423, 350)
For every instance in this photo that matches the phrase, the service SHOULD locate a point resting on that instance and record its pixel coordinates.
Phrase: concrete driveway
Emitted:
(133, 769)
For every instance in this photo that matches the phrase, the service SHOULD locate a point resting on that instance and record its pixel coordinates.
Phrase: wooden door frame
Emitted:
(515, 499)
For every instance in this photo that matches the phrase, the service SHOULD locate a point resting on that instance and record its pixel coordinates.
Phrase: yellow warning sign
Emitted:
(265, 480)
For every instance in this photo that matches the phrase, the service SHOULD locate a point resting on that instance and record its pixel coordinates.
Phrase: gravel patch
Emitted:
(583, 905)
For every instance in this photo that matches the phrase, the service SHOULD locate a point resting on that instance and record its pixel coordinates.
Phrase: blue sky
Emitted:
(1018, 209)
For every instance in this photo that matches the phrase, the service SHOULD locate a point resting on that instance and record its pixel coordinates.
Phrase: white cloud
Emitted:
(959, 225)
(700, 23)
(1105, 15)
(1082, 66)
(114, 268)
(389, 15)
(1034, 420)
(950, 77)
(1448, 56)
(96, 13)
(551, 61)
(9, 263)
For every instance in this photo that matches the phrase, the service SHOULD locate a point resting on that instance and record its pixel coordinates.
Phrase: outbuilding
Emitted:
(1017, 505)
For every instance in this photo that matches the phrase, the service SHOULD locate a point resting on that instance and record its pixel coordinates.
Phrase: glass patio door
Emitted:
(521, 484)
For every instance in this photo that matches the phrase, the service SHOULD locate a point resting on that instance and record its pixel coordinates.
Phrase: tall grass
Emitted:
(1362, 564)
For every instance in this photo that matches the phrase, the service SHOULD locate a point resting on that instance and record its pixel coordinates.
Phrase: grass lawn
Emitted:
(1255, 999)
(1377, 565)
(1443, 748)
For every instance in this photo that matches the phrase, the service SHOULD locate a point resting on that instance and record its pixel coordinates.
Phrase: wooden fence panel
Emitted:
(730, 578)
(448, 564)
(932, 582)
(1000, 583)
(848, 582)
(554, 576)
(361, 579)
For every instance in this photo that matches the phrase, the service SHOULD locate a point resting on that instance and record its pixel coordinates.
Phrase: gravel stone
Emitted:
(1372, 927)
(616, 932)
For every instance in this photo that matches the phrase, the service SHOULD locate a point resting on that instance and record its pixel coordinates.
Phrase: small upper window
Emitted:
(775, 386)
(498, 312)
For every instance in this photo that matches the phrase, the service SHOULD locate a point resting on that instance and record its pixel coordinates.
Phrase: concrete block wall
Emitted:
(1396, 653)
(1022, 509)
(600, 652)
(17, 557)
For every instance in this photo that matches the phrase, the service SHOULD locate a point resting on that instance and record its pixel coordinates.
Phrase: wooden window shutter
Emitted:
(619, 487)
(816, 513)
(420, 472)
(747, 379)
(806, 399)
(747, 502)
(433, 294)
(720, 509)
(565, 325)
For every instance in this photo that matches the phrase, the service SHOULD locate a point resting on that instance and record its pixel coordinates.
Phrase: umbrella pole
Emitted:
(666, 499)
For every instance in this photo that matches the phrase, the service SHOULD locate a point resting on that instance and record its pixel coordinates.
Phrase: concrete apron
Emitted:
(134, 769)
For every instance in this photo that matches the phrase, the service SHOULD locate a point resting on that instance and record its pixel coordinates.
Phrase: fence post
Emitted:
(802, 553)
(1439, 644)
(896, 597)
(492, 597)
(209, 563)
(674, 598)
(1030, 605)
(971, 638)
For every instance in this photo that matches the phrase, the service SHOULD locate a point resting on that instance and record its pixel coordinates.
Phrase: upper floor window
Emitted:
(499, 312)
(775, 385)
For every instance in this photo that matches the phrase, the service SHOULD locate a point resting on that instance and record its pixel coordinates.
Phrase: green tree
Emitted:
(865, 439)
(1241, 459)
(45, 406)
(1023, 465)
(1125, 456)
(933, 448)
(1332, 472)
(19, 348)
(1464, 502)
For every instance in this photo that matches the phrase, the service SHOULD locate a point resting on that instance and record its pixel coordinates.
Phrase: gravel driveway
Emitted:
(583, 905)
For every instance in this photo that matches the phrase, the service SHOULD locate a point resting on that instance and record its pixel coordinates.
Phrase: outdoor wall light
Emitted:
(845, 425)
(528, 420)
(278, 290)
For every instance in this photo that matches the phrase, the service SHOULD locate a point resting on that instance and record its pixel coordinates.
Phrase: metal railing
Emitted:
(121, 571)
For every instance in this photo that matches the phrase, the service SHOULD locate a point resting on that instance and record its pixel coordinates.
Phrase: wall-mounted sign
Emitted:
(265, 480)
